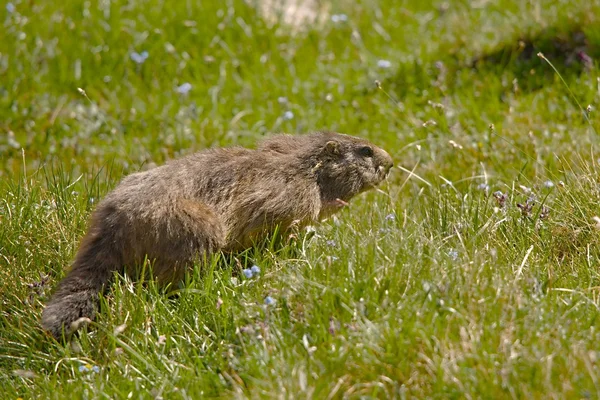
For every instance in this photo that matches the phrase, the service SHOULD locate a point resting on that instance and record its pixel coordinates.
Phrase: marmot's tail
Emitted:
(77, 294)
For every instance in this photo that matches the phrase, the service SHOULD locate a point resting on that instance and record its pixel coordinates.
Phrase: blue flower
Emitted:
(390, 217)
(270, 301)
(139, 58)
(453, 254)
(548, 184)
(255, 269)
(247, 273)
(184, 88)
(10, 7)
(339, 18)
(288, 115)
(483, 187)
(384, 64)
(89, 368)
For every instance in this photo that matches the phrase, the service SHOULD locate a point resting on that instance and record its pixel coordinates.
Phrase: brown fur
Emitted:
(221, 199)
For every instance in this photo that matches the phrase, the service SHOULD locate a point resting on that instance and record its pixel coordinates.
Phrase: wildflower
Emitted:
(527, 207)
(139, 58)
(10, 7)
(255, 269)
(500, 198)
(184, 88)
(331, 243)
(248, 273)
(453, 254)
(270, 301)
(339, 18)
(288, 115)
(89, 368)
(548, 184)
(384, 64)
(390, 217)
(282, 100)
(484, 187)
(586, 60)
(545, 212)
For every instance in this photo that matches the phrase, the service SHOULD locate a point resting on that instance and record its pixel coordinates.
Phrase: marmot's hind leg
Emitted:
(192, 232)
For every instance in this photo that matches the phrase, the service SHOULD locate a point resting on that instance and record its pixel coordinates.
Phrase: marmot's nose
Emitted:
(386, 161)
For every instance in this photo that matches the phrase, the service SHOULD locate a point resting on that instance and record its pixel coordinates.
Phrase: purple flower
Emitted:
(255, 270)
(247, 273)
(184, 88)
(139, 58)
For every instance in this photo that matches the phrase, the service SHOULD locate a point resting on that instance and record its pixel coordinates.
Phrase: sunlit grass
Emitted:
(474, 272)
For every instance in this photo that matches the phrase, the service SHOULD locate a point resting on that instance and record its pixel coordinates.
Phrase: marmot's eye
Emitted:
(366, 151)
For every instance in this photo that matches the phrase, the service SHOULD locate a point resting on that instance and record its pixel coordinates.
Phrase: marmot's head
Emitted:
(346, 166)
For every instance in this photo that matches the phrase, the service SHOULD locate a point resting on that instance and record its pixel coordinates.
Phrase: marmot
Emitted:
(221, 199)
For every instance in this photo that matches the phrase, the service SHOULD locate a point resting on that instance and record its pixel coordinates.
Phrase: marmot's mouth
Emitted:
(382, 172)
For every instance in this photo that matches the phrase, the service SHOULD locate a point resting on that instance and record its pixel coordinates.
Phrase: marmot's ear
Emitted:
(332, 147)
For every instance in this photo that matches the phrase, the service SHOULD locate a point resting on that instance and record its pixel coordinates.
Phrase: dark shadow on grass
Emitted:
(570, 51)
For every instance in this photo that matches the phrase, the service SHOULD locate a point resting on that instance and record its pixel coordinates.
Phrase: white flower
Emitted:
(288, 115)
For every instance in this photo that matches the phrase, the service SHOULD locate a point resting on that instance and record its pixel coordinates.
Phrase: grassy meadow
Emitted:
(473, 273)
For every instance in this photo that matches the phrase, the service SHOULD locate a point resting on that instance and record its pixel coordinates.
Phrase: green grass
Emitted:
(428, 288)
